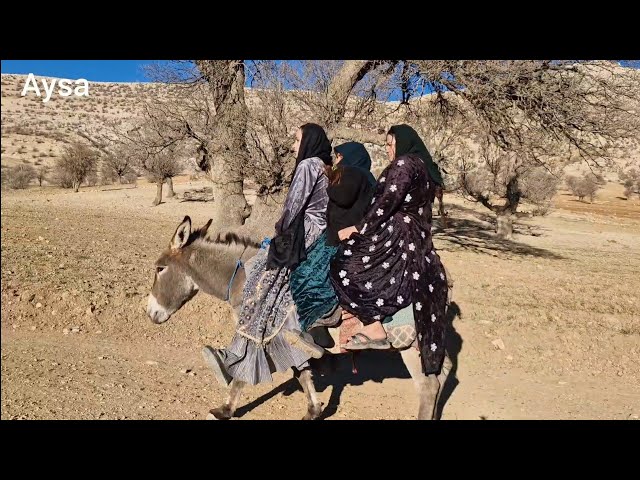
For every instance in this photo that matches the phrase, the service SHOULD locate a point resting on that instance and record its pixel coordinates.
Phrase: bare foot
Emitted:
(347, 316)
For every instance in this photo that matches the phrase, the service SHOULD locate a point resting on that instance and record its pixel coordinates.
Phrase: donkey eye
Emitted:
(159, 270)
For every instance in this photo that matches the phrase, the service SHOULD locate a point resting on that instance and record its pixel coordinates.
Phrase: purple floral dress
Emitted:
(392, 263)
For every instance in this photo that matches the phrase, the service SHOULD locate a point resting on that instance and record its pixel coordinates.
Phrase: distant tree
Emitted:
(584, 186)
(20, 176)
(77, 162)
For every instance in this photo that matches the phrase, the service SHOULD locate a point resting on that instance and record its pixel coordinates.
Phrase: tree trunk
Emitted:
(170, 187)
(441, 211)
(505, 225)
(226, 153)
(504, 228)
(158, 194)
(341, 86)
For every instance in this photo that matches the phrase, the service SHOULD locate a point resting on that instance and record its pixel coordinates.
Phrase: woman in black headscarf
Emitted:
(350, 190)
(389, 261)
(259, 347)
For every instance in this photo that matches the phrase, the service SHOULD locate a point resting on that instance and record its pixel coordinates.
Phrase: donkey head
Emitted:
(173, 285)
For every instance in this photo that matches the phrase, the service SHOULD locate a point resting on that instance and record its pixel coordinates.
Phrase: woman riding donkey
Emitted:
(351, 187)
(259, 348)
(389, 261)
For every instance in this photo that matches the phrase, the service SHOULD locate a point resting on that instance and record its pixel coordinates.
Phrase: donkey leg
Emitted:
(427, 386)
(226, 411)
(314, 406)
(447, 365)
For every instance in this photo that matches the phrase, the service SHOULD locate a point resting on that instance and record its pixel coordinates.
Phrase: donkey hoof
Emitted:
(219, 414)
(313, 413)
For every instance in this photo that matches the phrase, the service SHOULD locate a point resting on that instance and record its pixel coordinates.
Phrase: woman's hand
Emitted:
(346, 233)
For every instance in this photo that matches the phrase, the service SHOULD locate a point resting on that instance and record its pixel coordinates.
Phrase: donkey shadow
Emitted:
(372, 366)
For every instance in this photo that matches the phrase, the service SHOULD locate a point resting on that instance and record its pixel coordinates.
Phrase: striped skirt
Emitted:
(258, 349)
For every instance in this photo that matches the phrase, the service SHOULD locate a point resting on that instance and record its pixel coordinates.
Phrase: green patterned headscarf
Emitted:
(408, 141)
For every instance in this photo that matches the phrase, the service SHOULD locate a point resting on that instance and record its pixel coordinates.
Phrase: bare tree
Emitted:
(341, 96)
(272, 120)
(77, 162)
(537, 113)
(20, 176)
(41, 174)
(584, 108)
(346, 97)
(226, 140)
(501, 181)
(205, 109)
(585, 186)
(159, 160)
(118, 166)
(160, 168)
(538, 187)
(631, 182)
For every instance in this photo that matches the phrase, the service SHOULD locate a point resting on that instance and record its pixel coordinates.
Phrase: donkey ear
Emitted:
(205, 229)
(182, 234)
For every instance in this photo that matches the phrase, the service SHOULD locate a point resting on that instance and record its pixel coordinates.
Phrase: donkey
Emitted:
(194, 262)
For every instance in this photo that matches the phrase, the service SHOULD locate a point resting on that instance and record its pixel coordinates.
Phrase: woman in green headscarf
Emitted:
(389, 261)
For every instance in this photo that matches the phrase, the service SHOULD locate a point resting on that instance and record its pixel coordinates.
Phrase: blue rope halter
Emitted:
(239, 264)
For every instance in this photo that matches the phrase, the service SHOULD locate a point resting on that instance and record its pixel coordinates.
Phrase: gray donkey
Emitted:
(194, 262)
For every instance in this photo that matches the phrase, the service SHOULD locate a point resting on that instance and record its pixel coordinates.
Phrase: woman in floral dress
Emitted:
(387, 261)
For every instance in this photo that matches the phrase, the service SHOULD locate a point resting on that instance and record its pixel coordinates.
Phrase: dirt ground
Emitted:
(562, 299)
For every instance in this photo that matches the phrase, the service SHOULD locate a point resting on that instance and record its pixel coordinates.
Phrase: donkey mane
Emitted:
(229, 238)
(234, 238)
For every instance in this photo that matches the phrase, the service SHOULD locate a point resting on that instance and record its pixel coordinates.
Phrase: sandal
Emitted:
(361, 342)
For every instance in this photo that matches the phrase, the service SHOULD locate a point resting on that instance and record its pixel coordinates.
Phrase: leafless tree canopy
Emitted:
(20, 176)
(77, 162)
(119, 166)
(631, 182)
(501, 180)
(161, 166)
(502, 130)
(505, 129)
(145, 148)
(577, 109)
(348, 98)
(583, 186)
(272, 119)
(41, 174)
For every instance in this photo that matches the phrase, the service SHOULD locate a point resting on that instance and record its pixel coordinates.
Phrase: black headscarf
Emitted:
(355, 155)
(314, 143)
(408, 141)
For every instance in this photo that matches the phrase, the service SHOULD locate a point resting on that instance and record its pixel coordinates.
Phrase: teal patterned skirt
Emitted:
(311, 287)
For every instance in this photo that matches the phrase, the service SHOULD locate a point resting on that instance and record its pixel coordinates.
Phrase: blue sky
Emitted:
(92, 70)
(113, 70)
